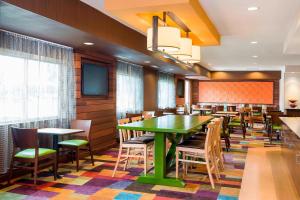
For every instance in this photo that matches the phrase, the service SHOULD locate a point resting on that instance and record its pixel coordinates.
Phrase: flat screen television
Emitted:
(94, 78)
(180, 88)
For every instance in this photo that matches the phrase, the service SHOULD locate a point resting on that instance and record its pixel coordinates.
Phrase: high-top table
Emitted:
(163, 127)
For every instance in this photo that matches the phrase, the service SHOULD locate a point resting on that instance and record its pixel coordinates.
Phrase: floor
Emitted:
(266, 176)
(95, 182)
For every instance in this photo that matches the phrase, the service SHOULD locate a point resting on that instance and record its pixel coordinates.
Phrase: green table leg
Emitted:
(159, 177)
(170, 160)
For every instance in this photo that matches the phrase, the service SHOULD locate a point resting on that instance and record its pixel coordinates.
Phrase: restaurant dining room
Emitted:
(149, 100)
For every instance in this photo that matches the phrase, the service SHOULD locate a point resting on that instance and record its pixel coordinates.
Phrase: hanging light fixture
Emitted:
(196, 55)
(168, 39)
(185, 50)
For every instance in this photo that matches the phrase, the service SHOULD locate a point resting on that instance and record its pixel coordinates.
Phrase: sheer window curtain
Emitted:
(166, 91)
(37, 87)
(130, 89)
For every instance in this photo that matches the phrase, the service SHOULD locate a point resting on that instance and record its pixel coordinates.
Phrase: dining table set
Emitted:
(173, 127)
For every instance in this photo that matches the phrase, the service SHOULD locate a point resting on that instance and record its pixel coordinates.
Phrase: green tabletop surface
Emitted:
(168, 124)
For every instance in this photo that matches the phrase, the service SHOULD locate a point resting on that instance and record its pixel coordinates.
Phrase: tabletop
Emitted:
(228, 112)
(223, 115)
(203, 109)
(59, 131)
(168, 124)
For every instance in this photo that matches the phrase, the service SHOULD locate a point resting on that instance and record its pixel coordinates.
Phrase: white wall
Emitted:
(291, 85)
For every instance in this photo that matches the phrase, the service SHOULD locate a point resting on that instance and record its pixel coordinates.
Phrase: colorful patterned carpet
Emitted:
(95, 182)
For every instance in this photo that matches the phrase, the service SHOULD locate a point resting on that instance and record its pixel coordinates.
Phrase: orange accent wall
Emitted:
(236, 92)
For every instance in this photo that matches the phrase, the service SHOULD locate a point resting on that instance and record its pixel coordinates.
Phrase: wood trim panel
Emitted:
(101, 110)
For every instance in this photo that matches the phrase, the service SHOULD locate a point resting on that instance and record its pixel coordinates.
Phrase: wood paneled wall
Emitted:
(179, 101)
(101, 110)
(195, 91)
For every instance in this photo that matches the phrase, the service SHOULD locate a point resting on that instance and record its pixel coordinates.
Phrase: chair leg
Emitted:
(55, 165)
(145, 160)
(177, 157)
(210, 175)
(10, 170)
(57, 158)
(77, 158)
(118, 160)
(35, 171)
(127, 158)
(91, 153)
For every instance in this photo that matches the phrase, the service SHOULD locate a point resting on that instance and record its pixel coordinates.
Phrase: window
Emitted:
(29, 90)
(37, 87)
(166, 91)
(130, 89)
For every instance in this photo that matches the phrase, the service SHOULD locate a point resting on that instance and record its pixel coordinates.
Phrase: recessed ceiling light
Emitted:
(88, 43)
(147, 61)
(254, 42)
(154, 66)
(254, 56)
(253, 8)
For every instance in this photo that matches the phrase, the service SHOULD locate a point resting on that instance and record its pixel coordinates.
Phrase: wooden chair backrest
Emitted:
(84, 125)
(136, 119)
(219, 108)
(137, 133)
(207, 106)
(130, 115)
(124, 134)
(25, 138)
(275, 117)
(231, 108)
(257, 109)
(147, 117)
(151, 113)
(209, 139)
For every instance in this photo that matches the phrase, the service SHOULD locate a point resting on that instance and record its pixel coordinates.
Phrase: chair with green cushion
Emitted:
(274, 124)
(225, 134)
(81, 141)
(240, 124)
(26, 150)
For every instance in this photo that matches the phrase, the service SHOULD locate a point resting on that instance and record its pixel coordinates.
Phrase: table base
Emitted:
(161, 181)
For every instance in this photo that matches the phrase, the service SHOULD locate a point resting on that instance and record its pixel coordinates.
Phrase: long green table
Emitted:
(163, 127)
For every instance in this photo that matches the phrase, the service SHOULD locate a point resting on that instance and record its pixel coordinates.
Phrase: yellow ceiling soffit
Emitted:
(138, 14)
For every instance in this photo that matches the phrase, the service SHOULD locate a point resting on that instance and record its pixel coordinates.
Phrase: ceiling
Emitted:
(274, 26)
(138, 14)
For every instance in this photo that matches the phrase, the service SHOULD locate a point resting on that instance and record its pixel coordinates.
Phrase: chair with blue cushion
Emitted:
(81, 141)
(26, 150)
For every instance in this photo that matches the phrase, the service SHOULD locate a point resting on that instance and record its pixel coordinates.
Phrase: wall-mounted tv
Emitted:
(94, 78)
(180, 88)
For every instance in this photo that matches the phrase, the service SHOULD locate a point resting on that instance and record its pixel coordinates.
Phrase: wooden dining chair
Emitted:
(138, 145)
(216, 139)
(26, 150)
(231, 108)
(199, 152)
(81, 141)
(219, 108)
(137, 119)
(240, 124)
(148, 113)
(217, 144)
(275, 125)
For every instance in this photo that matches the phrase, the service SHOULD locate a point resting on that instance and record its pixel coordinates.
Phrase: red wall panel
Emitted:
(236, 92)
